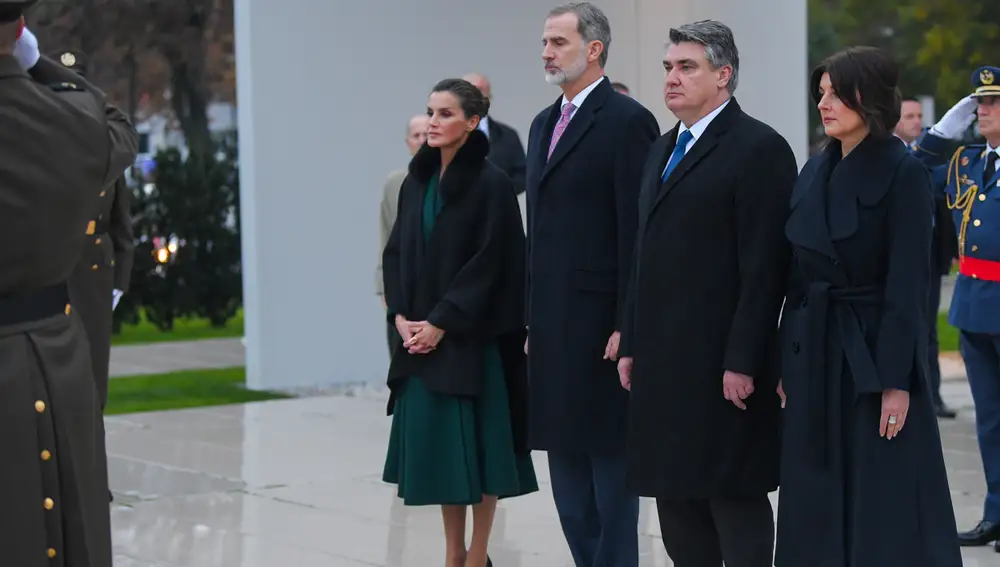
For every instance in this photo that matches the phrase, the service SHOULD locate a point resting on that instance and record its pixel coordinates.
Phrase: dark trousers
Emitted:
(599, 518)
(981, 353)
(934, 367)
(704, 533)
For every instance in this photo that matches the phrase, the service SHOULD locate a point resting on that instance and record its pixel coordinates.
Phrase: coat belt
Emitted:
(34, 305)
(822, 302)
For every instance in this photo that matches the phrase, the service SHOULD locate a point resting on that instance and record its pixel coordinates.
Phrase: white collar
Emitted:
(699, 127)
(582, 95)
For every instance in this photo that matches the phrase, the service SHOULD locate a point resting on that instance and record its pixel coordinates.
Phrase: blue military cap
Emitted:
(986, 82)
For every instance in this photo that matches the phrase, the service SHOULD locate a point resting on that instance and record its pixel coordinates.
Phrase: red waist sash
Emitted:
(979, 269)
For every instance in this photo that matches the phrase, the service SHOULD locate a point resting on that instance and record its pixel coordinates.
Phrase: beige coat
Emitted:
(387, 218)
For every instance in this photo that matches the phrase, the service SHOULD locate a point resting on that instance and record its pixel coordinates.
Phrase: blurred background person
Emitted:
(416, 135)
(506, 149)
(621, 88)
(454, 282)
(102, 275)
(944, 250)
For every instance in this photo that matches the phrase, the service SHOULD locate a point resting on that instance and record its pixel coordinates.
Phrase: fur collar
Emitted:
(463, 171)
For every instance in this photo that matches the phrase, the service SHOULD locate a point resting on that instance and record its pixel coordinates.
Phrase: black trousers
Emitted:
(704, 533)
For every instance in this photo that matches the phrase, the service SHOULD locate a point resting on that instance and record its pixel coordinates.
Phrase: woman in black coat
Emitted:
(454, 272)
(863, 481)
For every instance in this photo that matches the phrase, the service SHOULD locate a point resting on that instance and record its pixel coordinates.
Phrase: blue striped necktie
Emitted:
(675, 157)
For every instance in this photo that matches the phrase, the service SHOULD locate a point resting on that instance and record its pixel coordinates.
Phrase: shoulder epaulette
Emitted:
(65, 86)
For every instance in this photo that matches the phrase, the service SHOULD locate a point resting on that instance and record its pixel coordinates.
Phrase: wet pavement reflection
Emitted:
(298, 483)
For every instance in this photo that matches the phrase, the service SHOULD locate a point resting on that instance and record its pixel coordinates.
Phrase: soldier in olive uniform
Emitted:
(102, 275)
(970, 180)
(62, 144)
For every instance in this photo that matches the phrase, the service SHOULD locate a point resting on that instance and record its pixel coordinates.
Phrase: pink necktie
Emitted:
(567, 110)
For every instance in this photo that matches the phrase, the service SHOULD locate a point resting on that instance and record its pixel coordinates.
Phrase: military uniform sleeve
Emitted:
(122, 137)
(121, 233)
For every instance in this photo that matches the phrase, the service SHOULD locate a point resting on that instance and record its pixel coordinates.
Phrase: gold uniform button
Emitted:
(46, 455)
(103, 193)
(982, 196)
(68, 309)
(975, 247)
(40, 406)
(49, 504)
(95, 266)
(976, 222)
(975, 277)
(97, 241)
(52, 553)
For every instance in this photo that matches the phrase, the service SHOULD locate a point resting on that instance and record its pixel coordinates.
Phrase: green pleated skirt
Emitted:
(447, 450)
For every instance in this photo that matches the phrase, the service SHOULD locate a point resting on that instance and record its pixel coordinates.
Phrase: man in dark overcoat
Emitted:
(699, 348)
(585, 155)
(62, 144)
(102, 274)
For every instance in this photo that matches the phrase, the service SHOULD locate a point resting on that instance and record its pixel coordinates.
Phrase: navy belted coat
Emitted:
(854, 325)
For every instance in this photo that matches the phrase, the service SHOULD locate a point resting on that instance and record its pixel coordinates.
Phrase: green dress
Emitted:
(449, 450)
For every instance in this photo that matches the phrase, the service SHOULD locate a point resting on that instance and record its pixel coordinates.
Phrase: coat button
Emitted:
(52, 553)
(94, 267)
(49, 504)
(982, 196)
(795, 347)
(46, 455)
(97, 241)
(976, 222)
(40, 406)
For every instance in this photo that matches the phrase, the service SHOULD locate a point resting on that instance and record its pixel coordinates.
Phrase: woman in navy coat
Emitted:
(863, 481)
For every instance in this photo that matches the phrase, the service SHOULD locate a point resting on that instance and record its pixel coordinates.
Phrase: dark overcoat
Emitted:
(707, 287)
(854, 324)
(61, 146)
(468, 280)
(581, 229)
(104, 266)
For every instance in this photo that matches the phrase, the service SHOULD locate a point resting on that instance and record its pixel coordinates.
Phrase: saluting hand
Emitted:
(737, 387)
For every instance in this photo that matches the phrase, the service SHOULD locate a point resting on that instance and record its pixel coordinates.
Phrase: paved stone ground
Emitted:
(297, 483)
(160, 358)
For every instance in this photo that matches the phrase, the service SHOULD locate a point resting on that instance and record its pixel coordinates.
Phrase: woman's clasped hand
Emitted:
(419, 337)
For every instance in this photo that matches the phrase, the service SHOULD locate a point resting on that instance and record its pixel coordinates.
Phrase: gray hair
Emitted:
(717, 39)
(592, 24)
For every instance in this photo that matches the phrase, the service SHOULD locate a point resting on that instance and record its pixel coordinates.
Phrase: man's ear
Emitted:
(20, 27)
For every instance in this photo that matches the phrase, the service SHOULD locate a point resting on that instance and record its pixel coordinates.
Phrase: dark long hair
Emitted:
(866, 81)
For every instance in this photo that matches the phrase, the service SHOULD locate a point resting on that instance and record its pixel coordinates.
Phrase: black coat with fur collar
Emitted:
(468, 279)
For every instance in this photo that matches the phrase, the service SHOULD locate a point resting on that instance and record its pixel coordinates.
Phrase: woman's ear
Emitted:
(20, 27)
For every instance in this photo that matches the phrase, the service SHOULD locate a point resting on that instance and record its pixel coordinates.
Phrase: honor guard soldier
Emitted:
(971, 182)
(61, 145)
(102, 274)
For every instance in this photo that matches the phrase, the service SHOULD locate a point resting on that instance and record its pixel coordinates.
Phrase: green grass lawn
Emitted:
(188, 389)
(184, 330)
(947, 335)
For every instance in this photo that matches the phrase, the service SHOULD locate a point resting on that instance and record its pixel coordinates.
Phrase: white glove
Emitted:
(26, 50)
(116, 296)
(957, 120)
